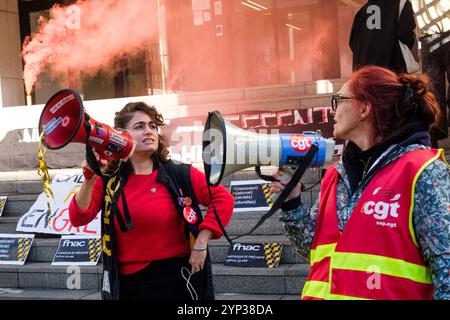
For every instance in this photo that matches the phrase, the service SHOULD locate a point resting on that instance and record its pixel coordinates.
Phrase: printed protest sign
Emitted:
(14, 248)
(39, 220)
(78, 250)
(251, 195)
(2, 203)
(266, 255)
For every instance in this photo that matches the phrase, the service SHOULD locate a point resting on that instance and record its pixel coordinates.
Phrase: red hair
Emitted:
(395, 99)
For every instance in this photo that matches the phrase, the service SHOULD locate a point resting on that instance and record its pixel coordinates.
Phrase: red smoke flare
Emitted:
(87, 37)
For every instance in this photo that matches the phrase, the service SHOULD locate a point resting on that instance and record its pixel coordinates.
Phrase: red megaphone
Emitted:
(64, 120)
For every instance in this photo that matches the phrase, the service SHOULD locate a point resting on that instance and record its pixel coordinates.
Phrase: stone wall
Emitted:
(11, 83)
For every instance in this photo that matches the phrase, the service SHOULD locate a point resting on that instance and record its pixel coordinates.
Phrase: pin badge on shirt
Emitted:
(190, 215)
(153, 190)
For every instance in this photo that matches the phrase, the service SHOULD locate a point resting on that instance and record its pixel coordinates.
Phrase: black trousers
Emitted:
(436, 63)
(161, 280)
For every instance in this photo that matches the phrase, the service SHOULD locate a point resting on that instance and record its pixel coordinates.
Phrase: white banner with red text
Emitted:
(39, 219)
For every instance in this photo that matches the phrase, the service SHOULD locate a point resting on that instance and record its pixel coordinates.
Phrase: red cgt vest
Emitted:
(377, 255)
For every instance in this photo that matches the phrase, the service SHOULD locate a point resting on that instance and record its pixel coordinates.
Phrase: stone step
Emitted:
(18, 204)
(48, 294)
(66, 294)
(44, 250)
(24, 176)
(286, 279)
(240, 224)
(44, 275)
(10, 187)
(243, 296)
(8, 224)
(243, 222)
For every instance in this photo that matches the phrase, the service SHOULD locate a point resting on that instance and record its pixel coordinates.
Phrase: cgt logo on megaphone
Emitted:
(300, 143)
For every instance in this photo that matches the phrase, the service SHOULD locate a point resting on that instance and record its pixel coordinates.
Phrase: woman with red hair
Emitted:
(380, 227)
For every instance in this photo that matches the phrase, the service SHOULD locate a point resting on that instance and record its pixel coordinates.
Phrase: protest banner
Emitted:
(40, 220)
(251, 195)
(78, 250)
(267, 255)
(2, 203)
(14, 248)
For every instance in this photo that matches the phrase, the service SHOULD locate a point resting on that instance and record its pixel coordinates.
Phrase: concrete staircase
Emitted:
(37, 279)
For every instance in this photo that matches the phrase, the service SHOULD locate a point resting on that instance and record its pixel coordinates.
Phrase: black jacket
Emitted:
(357, 162)
(174, 176)
(380, 46)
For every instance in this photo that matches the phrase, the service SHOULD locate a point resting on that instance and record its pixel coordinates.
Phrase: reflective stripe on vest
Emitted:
(322, 252)
(325, 241)
(313, 288)
(316, 289)
(385, 265)
(440, 154)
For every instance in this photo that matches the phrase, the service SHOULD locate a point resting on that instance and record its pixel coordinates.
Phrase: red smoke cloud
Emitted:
(87, 37)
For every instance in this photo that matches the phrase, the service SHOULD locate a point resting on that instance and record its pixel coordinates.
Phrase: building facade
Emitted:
(199, 45)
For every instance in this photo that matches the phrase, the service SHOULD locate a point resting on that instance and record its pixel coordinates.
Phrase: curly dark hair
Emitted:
(123, 117)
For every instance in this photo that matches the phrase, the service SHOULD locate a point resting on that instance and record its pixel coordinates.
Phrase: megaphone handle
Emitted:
(88, 174)
(263, 176)
(92, 160)
(285, 193)
(287, 175)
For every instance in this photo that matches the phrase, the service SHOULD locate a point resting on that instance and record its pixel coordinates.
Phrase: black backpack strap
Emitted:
(121, 178)
(177, 178)
(184, 176)
(183, 180)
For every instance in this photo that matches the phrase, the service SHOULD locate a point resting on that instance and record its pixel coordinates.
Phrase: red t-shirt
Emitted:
(158, 231)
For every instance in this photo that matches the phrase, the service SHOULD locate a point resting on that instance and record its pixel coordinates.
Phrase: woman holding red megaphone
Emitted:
(380, 226)
(155, 240)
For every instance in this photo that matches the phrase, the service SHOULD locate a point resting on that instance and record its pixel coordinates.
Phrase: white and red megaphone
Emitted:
(64, 121)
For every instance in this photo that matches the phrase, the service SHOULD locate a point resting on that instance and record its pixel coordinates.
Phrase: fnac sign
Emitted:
(300, 143)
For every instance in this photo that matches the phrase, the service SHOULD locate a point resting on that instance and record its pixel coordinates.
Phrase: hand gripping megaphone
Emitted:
(228, 149)
(63, 121)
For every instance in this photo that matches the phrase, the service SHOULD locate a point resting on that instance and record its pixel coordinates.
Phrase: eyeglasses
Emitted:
(335, 99)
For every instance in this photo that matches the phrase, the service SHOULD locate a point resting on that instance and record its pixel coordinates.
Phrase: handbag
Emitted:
(412, 66)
